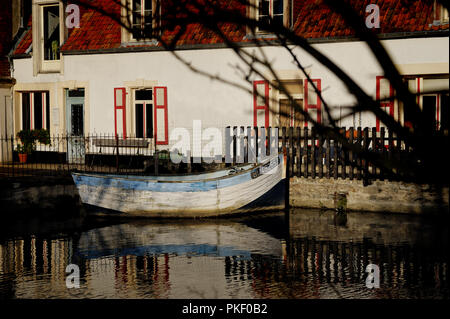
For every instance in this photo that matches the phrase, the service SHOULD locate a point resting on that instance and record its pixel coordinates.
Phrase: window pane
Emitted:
(278, 7)
(47, 110)
(77, 119)
(137, 19)
(77, 93)
(284, 112)
(139, 118)
(149, 120)
(299, 118)
(148, 4)
(293, 87)
(136, 5)
(435, 85)
(429, 111)
(146, 95)
(51, 32)
(278, 20)
(37, 103)
(26, 125)
(445, 115)
(264, 7)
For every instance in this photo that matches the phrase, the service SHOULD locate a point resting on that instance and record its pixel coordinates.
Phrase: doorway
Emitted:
(75, 126)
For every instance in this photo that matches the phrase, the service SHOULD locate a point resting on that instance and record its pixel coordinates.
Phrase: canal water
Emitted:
(308, 254)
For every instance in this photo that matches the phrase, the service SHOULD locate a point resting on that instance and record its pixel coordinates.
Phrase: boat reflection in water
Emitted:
(263, 256)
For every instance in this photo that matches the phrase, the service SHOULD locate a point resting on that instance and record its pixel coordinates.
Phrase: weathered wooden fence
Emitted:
(361, 153)
(354, 153)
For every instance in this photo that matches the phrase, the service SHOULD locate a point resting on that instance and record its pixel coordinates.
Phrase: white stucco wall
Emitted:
(193, 96)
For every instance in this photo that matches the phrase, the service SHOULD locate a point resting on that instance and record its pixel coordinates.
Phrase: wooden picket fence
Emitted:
(314, 155)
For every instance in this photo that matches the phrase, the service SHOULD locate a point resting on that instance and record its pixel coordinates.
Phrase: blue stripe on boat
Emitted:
(154, 186)
(189, 249)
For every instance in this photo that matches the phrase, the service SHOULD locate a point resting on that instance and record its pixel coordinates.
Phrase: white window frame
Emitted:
(444, 15)
(298, 96)
(287, 13)
(32, 106)
(39, 64)
(133, 112)
(127, 14)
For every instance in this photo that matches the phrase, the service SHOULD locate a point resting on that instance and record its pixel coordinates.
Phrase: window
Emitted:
(35, 110)
(434, 106)
(143, 111)
(290, 115)
(147, 111)
(444, 14)
(47, 36)
(303, 96)
(50, 24)
(440, 13)
(143, 19)
(275, 12)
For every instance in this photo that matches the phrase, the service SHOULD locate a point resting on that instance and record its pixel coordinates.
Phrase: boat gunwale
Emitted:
(126, 177)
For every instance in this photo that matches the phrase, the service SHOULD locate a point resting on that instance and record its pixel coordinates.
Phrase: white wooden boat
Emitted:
(229, 191)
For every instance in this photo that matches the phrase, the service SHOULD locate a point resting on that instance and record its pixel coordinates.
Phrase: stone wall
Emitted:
(38, 196)
(380, 196)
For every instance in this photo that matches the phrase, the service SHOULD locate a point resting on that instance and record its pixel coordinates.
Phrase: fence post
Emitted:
(383, 152)
(320, 157)
(117, 153)
(246, 141)
(374, 150)
(391, 151)
(358, 156)
(313, 152)
(327, 163)
(12, 153)
(350, 154)
(291, 152)
(335, 159)
(234, 144)
(343, 158)
(287, 183)
(366, 149)
(306, 148)
(299, 152)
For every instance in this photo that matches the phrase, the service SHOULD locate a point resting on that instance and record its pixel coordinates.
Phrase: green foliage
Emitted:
(28, 138)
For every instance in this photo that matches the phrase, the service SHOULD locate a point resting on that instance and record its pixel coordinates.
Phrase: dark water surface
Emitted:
(264, 256)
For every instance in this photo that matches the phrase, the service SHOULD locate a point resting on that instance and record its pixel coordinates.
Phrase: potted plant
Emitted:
(28, 140)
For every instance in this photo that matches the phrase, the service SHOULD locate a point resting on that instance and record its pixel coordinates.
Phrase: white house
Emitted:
(98, 79)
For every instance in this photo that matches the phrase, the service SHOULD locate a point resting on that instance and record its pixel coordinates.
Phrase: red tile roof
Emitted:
(312, 19)
(26, 41)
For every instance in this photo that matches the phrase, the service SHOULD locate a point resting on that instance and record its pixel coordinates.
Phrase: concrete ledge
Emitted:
(380, 196)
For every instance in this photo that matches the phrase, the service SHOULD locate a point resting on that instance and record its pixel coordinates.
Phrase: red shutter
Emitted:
(388, 104)
(317, 105)
(160, 93)
(120, 104)
(261, 106)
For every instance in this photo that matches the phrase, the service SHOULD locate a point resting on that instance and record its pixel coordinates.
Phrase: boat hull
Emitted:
(257, 189)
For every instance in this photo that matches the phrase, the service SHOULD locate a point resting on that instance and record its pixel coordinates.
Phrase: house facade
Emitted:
(97, 77)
